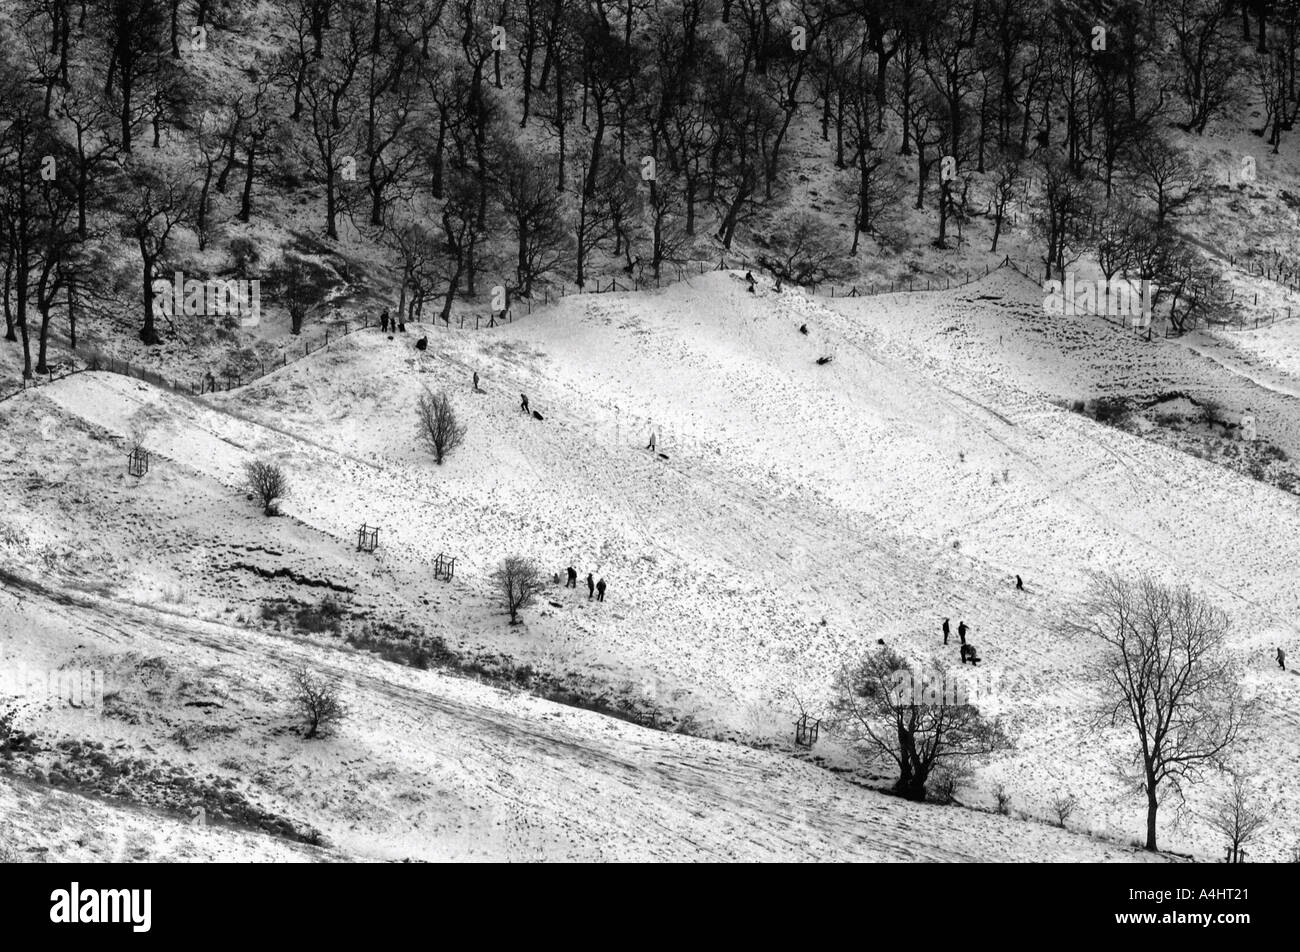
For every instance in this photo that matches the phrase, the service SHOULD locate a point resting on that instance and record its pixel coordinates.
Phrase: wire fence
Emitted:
(229, 379)
(1273, 266)
(84, 359)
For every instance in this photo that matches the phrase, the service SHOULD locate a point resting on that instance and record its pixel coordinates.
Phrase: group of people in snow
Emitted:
(968, 655)
(594, 588)
(398, 324)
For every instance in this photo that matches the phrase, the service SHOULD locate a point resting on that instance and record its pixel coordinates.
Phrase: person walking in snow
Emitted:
(946, 631)
(591, 585)
(1281, 659)
(573, 578)
(600, 590)
(1020, 585)
(651, 445)
(476, 389)
(523, 403)
(961, 631)
(383, 321)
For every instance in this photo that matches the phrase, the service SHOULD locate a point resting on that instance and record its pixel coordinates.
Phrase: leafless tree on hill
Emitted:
(437, 424)
(518, 582)
(1165, 673)
(267, 483)
(1239, 813)
(317, 702)
(882, 706)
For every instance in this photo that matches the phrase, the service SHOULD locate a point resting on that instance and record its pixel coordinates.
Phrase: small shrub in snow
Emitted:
(242, 253)
(316, 700)
(1003, 799)
(267, 483)
(1064, 808)
(948, 782)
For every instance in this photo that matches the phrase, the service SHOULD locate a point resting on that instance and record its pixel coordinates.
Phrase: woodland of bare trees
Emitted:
(519, 142)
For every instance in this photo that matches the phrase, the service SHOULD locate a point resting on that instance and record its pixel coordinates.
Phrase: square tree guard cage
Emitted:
(137, 463)
(444, 567)
(367, 538)
(807, 730)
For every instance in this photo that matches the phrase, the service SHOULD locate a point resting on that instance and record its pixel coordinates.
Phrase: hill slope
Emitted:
(802, 513)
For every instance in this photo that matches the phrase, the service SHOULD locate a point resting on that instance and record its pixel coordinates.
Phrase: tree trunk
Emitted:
(148, 333)
(246, 200)
(1152, 807)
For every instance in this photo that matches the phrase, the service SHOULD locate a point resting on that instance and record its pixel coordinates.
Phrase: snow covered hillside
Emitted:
(799, 513)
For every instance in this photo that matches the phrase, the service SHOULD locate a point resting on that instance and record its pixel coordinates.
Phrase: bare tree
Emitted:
(1064, 808)
(669, 238)
(1121, 232)
(298, 290)
(316, 700)
(803, 252)
(1004, 186)
(1064, 215)
(437, 424)
(159, 204)
(1163, 173)
(518, 581)
(887, 705)
(267, 482)
(531, 209)
(1239, 814)
(1164, 670)
(420, 255)
(1205, 56)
